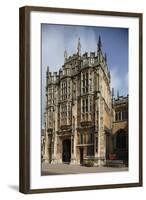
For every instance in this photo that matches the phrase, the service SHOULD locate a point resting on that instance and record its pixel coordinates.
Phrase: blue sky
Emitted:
(55, 38)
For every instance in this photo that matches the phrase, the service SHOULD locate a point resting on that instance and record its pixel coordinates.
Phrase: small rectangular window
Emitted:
(86, 105)
(81, 138)
(96, 144)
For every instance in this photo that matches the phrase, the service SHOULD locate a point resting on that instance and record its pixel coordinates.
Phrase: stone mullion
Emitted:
(81, 82)
(67, 121)
(121, 115)
(81, 108)
(88, 107)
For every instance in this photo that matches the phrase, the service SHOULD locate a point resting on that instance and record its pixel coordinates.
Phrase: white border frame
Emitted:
(132, 176)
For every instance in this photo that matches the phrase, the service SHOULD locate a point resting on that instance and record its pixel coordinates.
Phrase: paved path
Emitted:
(56, 169)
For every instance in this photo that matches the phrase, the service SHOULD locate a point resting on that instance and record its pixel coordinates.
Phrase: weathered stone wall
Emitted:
(119, 125)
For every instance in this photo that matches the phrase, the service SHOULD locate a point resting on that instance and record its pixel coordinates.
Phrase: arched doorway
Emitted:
(121, 145)
(121, 140)
(66, 150)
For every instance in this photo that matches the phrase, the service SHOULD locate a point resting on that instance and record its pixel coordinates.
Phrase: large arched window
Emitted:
(121, 140)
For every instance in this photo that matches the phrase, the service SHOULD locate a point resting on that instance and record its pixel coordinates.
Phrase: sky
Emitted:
(56, 38)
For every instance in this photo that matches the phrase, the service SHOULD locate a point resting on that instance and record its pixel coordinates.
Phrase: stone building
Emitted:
(42, 144)
(80, 111)
(120, 128)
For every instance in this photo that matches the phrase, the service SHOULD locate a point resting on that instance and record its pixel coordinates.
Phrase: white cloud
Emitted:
(115, 80)
(119, 82)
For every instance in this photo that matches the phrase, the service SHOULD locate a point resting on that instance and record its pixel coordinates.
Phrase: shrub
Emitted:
(89, 163)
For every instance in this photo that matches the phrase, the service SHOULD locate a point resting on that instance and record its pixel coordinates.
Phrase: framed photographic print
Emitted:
(80, 99)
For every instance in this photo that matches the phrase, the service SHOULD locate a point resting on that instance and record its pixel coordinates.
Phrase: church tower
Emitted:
(99, 50)
(79, 48)
(65, 55)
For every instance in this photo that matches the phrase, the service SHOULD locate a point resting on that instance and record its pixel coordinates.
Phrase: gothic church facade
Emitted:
(80, 116)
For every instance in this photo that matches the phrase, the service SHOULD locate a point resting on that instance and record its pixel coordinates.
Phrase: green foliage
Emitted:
(88, 163)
